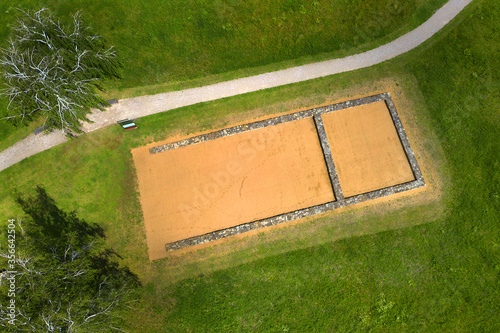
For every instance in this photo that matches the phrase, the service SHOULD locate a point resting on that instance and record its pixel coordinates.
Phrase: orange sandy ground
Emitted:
(225, 182)
(366, 149)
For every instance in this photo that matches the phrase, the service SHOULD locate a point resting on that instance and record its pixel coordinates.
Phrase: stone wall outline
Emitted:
(340, 201)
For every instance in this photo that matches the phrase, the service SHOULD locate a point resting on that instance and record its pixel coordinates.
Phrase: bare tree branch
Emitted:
(53, 70)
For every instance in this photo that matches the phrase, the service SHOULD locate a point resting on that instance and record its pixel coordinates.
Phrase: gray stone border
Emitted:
(287, 217)
(301, 213)
(327, 153)
(267, 122)
(410, 155)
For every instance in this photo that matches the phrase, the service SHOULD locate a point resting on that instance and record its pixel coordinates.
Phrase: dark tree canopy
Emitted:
(66, 280)
(55, 70)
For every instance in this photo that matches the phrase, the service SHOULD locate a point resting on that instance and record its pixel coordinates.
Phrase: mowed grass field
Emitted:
(428, 267)
(166, 45)
(162, 41)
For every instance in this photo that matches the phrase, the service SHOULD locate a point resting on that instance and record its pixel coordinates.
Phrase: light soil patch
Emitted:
(232, 180)
(366, 149)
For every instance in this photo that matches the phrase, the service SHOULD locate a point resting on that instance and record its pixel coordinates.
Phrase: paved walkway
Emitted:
(146, 105)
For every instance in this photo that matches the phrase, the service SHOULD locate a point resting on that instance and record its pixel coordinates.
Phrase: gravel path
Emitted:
(146, 105)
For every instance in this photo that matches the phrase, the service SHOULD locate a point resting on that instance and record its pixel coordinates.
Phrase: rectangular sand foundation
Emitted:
(366, 149)
(201, 188)
(250, 176)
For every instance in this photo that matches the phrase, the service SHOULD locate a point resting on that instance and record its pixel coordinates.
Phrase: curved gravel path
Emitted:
(146, 105)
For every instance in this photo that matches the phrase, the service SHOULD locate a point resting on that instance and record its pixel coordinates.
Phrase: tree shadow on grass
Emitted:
(50, 231)
(52, 224)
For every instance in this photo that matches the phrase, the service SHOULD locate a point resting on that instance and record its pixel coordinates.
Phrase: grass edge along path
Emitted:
(146, 105)
(153, 63)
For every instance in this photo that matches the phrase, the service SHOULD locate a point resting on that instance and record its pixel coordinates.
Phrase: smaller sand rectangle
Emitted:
(366, 149)
(218, 184)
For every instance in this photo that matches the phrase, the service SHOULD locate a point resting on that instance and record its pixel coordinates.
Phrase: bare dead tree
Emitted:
(54, 70)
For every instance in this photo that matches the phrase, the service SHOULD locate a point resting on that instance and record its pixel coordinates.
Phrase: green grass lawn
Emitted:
(166, 45)
(161, 41)
(433, 266)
